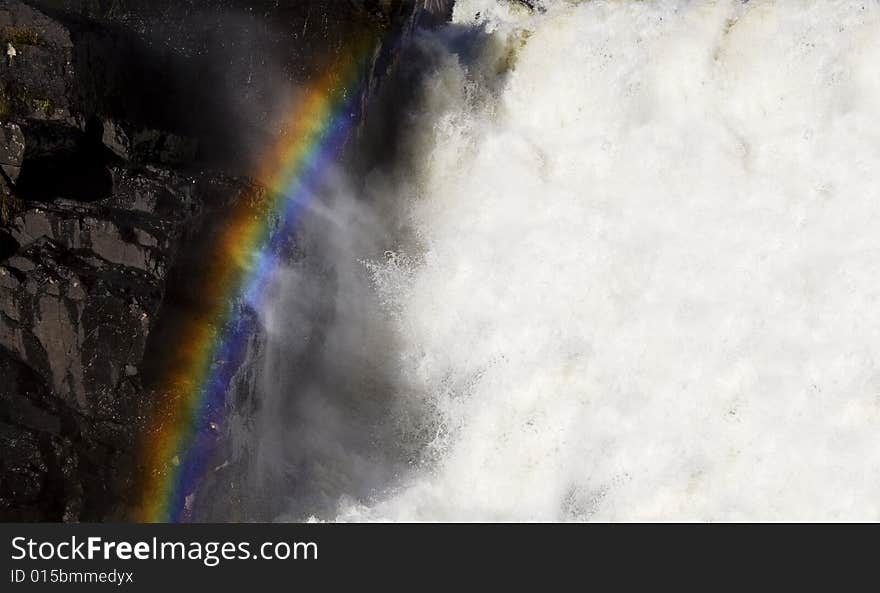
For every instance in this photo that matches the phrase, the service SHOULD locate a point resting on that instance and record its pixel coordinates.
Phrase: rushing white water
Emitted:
(642, 280)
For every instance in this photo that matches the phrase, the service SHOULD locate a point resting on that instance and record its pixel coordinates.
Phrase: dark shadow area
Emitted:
(62, 162)
(39, 439)
(8, 245)
(217, 71)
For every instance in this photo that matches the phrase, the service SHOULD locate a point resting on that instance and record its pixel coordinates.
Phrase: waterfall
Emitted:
(621, 264)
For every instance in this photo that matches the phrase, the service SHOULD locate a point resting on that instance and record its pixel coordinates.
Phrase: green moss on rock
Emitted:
(22, 36)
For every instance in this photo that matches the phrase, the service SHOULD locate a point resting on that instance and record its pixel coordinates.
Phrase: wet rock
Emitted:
(153, 191)
(11, 150)
(154, 146)
(58, 464)
(81, 288)
(116, 139)
(56, 309)
(114, 236)
(148, 145)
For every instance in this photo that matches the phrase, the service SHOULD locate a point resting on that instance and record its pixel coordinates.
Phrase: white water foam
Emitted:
(646, 276)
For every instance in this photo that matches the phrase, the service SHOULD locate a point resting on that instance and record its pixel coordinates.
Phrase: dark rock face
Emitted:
(126, 129)
(37, 69)
(78, 300)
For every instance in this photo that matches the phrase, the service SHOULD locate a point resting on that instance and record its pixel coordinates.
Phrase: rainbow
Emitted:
(244, 258)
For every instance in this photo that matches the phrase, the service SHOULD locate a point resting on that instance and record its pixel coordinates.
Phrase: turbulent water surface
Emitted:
(631, 271)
